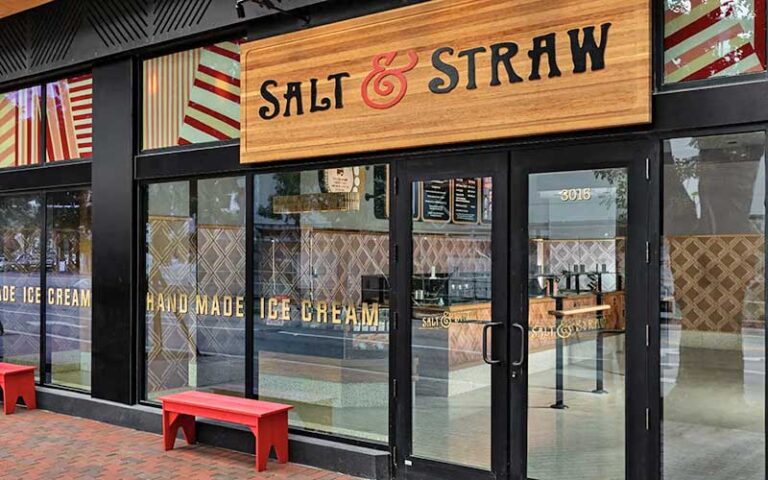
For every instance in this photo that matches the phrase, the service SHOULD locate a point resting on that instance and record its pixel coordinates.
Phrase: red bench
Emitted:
(17, 381)
(268, 421)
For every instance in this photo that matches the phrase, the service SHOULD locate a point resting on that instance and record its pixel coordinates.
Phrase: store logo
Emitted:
(385, 85)
(389, 84)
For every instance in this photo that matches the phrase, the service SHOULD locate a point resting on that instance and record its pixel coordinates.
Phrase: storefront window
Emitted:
(321, 298)
(192, 96)
(713, 307)
(20, 128)
(69, 114)
(21, 219)
(68, 289)
(195, 298)
(713, 38)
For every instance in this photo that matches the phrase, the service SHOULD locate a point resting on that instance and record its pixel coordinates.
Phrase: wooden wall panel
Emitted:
(618, 94)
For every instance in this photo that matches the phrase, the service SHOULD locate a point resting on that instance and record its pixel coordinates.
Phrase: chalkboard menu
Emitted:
(435, 201)
(487, 199)
(416, 200)
(465, 198)
(381, 191)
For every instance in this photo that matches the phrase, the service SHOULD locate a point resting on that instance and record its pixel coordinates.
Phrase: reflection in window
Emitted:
(321, 315)
(20, 128)
(713, 307)
(713, 38)
(21, 219)
(577, 324)
(69, 114)
(192, 96)
(195, 304)
(451, 304)
(68, 289)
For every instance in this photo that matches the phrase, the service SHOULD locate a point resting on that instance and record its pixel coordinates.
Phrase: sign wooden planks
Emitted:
(446, 71)
(12, 7)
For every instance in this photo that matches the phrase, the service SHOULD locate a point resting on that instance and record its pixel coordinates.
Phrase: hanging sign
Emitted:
(446, 71)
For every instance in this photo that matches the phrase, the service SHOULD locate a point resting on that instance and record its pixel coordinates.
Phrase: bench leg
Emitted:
(28, 392)
(271, 431)
(280, 436)
(10, 397)
(172, 422)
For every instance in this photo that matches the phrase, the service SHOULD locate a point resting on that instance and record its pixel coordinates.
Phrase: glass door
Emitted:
(451, 389)
(582, 247)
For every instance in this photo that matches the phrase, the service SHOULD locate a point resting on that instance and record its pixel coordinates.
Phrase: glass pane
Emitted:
(20, 128)
(713, 308)
(451, 302)
(713, 38)
(69, 118)
(321, 298)
(577, 324)
(68, 289)
(192, 96)
(195, 303)
(21, 219)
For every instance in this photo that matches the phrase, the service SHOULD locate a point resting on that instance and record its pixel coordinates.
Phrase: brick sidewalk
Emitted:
(44, 445)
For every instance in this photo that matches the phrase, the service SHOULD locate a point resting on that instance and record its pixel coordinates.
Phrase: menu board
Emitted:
(487, 199)
(416, 200)
(465, 200)
(435, 201)
(381, 191)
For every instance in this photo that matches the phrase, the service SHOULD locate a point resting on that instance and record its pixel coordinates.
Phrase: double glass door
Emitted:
(521, 349)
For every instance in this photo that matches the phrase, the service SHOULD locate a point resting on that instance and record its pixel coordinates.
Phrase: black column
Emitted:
(113, 232)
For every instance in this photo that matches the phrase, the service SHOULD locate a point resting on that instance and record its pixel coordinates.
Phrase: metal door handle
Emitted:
(487, 327)
(522, 345)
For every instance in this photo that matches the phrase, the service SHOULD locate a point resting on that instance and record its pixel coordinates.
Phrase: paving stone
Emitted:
(40, 445)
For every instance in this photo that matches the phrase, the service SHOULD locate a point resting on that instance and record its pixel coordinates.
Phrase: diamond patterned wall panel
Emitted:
(221, 271)
(718, 281)
(564, 254)
(172, 270)
(447, 254)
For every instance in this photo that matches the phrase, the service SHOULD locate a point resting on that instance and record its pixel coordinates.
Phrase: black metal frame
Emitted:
(717, 106)
(44, 363)
(168, 166)
(655, 227)
(440, 167)
(631, 155)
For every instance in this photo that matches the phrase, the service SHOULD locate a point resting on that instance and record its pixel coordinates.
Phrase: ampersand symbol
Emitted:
(383, 85)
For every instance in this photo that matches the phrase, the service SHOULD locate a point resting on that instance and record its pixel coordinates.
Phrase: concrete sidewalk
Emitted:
(43, 445)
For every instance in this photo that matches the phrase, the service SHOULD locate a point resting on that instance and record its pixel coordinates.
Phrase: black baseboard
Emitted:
(335, 456)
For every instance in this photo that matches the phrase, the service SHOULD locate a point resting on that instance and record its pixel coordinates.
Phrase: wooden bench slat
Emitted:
(268, 421)
(9, 368)
(211, 401)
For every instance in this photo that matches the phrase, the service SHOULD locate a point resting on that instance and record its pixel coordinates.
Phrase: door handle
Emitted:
(520, 361)
(486, 328)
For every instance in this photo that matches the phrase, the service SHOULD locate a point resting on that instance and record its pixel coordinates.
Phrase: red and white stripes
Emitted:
(20, 128)
(213, 111)
(192, 96)
(712, 38)
(69, 117)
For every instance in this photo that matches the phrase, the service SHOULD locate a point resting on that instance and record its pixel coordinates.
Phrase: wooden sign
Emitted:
(12, 7)
(446, 71)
